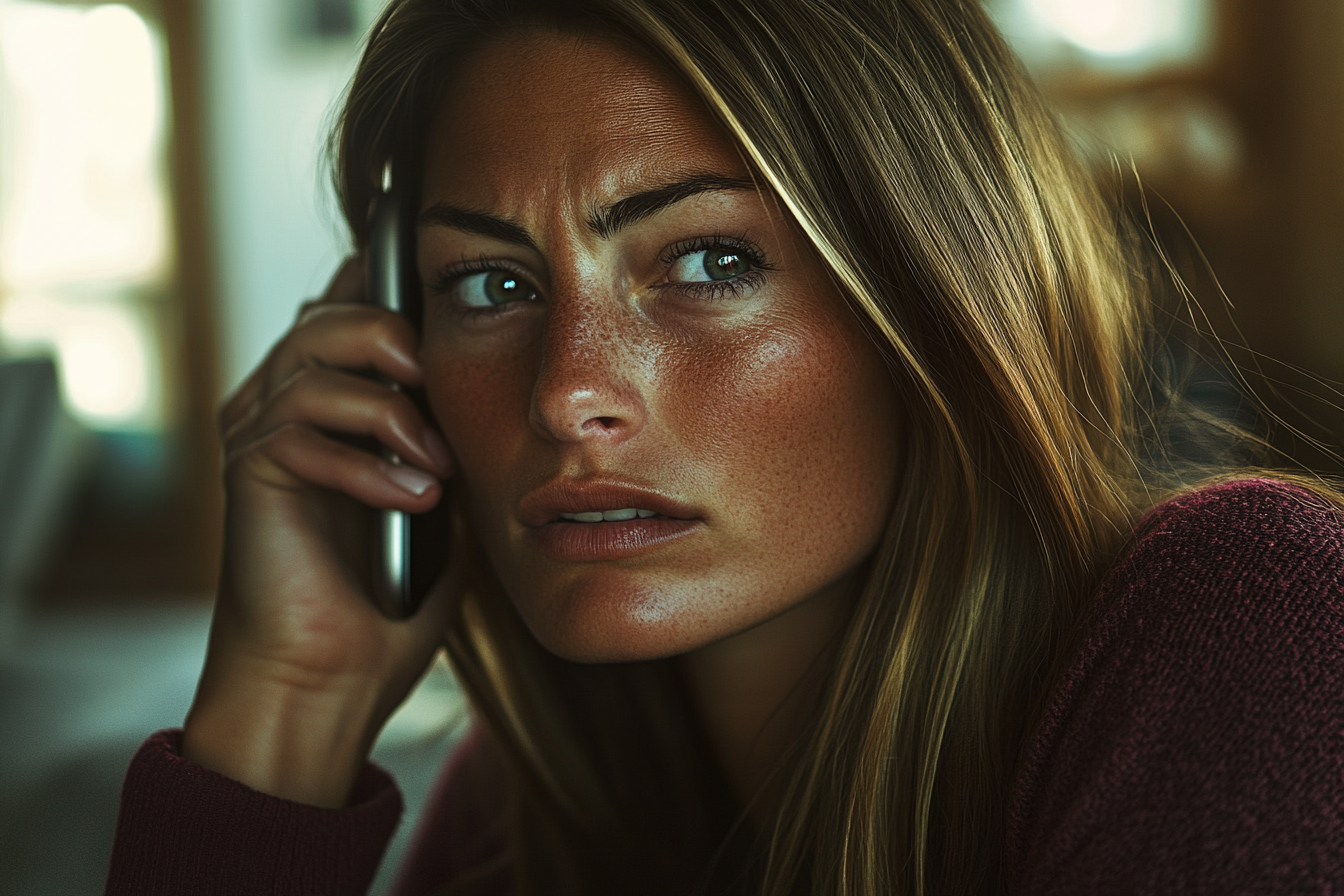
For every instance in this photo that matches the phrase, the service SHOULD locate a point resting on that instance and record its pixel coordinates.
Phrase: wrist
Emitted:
(300, 743)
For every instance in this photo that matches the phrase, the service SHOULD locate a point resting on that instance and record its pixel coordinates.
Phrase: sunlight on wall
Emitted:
(84, 230)
(1113, 34)
(1119, 74)
(1111, 27)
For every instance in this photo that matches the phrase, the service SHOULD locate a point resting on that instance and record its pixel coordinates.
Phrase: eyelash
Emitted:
(447, 278)
(714, 290)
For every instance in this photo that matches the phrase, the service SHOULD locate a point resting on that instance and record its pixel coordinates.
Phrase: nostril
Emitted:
(611, 411)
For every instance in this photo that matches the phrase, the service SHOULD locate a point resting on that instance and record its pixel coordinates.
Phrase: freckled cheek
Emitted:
(797, 422)
(482, 411)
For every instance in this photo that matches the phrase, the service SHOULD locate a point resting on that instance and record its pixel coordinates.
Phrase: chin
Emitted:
(613, 620)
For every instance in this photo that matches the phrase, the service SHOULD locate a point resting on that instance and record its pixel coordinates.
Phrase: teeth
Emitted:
(609, 516)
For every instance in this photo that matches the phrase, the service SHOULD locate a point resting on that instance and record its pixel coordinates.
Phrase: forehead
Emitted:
(584, 118)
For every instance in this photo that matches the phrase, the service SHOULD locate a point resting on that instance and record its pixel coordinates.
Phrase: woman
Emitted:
(811, 303)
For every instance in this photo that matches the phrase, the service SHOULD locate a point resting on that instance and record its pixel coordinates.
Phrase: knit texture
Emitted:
(1193, 744)
(185, 829)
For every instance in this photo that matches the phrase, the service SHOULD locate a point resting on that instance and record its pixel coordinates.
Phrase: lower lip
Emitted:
(577, 542)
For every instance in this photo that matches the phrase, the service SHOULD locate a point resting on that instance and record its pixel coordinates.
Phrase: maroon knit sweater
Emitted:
(1194, 744)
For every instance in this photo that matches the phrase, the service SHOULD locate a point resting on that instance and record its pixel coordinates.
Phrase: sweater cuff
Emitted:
(185, 829)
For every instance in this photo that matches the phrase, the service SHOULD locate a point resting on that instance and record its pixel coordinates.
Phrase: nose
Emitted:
(589, 384)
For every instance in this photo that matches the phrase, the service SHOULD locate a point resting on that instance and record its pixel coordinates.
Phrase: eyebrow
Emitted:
(445, 215)
(605, 222)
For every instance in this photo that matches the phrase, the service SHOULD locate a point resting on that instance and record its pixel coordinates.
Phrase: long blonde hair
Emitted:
(1001, 288)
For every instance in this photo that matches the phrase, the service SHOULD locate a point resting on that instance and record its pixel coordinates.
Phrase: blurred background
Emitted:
(164, 209)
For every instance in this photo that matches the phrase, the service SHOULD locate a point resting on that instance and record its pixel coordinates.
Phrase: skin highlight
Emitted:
(763, 408)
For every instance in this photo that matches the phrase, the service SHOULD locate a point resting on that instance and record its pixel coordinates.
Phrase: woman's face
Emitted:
(620, 326)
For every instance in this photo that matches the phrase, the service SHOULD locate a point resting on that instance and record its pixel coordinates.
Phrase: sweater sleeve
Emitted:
(1195, 743)
(185, 829)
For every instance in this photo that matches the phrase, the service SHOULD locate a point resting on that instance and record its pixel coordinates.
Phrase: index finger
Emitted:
(347, 286)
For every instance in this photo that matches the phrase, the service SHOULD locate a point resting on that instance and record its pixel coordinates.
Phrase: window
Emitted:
(1115, 35)
(104, 268)
(84, 212)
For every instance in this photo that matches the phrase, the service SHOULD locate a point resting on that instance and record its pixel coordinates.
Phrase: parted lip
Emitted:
(545, 504)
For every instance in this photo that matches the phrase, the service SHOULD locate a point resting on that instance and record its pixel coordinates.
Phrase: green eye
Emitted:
(709, 265)
(720, 265)
(491, 288)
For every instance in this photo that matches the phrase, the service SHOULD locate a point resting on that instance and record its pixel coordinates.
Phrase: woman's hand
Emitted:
(302, 669)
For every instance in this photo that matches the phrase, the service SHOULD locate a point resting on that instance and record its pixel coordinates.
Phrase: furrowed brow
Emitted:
(502, 229)
(605, 222)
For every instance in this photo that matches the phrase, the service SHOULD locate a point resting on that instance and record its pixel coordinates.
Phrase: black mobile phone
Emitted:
(409, 551)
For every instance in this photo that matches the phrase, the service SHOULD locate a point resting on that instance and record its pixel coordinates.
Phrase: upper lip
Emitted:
(545, 504)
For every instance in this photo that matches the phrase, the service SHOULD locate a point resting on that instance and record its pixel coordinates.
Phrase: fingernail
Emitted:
(437, 448)
(417, 482)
